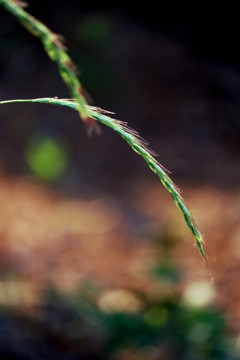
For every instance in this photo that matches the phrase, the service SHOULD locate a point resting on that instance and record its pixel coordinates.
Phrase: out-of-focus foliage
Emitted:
(121, 324)
(46, 158)
(117, 294)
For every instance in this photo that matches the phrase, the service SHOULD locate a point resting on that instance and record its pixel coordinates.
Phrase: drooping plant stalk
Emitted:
(54, 47)
(140, 147)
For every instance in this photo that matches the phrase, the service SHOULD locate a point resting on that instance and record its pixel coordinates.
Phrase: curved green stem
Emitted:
(54, 47)
(140, 147)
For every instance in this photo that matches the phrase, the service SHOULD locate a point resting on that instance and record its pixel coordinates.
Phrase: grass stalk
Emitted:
(140, 147)
(54, 47)
(56, 50)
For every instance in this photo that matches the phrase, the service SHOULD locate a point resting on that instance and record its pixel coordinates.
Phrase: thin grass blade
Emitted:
(56, 50)
(140, 147)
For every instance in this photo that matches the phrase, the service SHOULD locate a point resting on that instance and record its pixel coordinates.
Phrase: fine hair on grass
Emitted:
(92, 116)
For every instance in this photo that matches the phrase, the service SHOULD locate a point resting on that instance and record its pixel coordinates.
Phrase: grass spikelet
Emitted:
(20, 3)
(141, 148)
(56, 50)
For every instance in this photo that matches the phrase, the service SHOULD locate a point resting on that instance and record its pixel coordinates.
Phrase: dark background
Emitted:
(170, 72)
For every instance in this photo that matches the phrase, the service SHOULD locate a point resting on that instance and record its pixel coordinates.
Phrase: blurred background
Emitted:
(96, 261)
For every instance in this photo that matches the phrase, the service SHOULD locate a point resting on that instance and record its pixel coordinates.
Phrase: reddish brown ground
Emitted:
(49, 238)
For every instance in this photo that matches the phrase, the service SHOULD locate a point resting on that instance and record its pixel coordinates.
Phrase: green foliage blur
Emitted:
(121, 324)
(46, 158)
